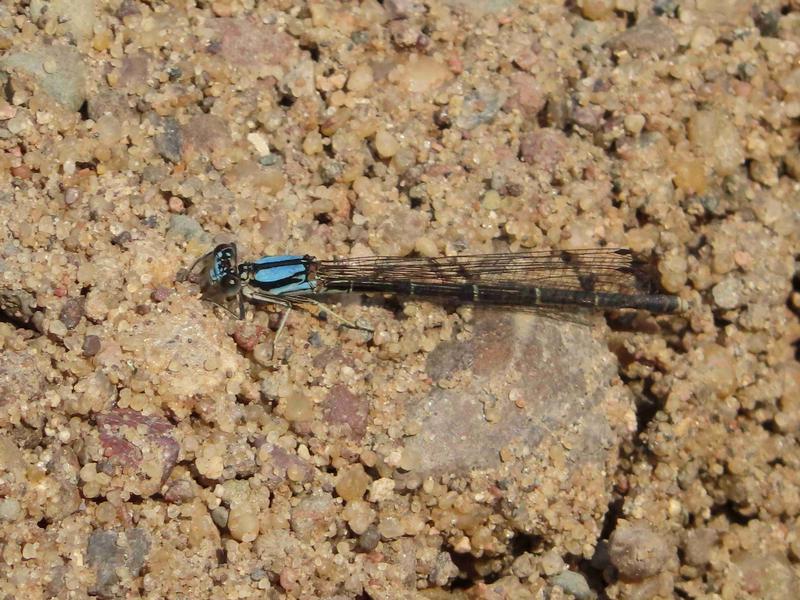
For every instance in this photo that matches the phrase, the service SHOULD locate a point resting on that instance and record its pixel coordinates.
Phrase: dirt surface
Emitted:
(151, 446)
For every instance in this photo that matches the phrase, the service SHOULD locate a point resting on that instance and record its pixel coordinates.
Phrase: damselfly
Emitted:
(601, 278)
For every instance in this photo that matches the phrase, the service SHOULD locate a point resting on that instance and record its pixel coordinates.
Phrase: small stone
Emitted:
(727, 293)
(527, 94)
(185, 227)
(491, 200)
(717, 138)
(381, 489)
(333, 123)
(71, 313)
(314, 517)
(22, 171)
(312, 144)
(342, 407)
(122, 238)
(410, 459)
(544, 148)
(65, 81)
(634, 123)
(91, 345)
(57, 329)
(368, 541)
(259, 142)
(573, 584)
(127, 8)
(160, 294)
(462, 545)
(352, 482)
(386, 144)
(390, 528)
(588, 117)
(689, 173)
(360, 79)
(792, 162)
(764, 172)
(649, 36)
(175, 205)
(699, 543)
(179, 491)
(718, 373)
(108, 551)
(209, 466)
(358, 515)
(444, 570)
(637, 551)
(702, 39)
(10, 509)
(482, 105)
(258, 574)
(220, 516)
(169, 143)
(768, 576)
(441, 118)
(243, 522)
(7, 111)
(425, 246)
(137, 443)
(596, 10)
(71, 196)
(552, 563)
(299, 407)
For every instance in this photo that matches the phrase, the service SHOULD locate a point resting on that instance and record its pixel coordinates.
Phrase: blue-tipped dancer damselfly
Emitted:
(600, 278)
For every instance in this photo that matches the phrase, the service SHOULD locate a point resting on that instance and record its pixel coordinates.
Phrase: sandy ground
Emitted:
(151, 446)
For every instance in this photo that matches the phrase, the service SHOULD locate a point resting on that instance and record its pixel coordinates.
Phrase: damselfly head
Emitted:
(217, 275)
(223, 277)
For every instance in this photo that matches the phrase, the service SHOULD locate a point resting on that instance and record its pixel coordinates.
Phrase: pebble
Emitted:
(352, 482)
(369, 540)
(637, 551)
(71, 196)
(597, 10)
(341, 407)
(71, 312)
(381, 489)
(699, 545)
(243, 522)
(10, 509)
(727, 294)
(313, 143)
(57, 328)
(359, 516)
(574, 584)
(386, 144)
(185, 227)
(552, 563)
(390, 528)
(634, 123)
(299, 407)
(169, 143)
(648, 36)
(65, 82)
(16, 126)
(360, 79)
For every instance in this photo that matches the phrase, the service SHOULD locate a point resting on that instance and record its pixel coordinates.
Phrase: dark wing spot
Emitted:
(567, 257)
(588, 282)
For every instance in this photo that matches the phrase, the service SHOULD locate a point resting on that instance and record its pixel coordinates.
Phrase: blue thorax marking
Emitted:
(279, 275)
